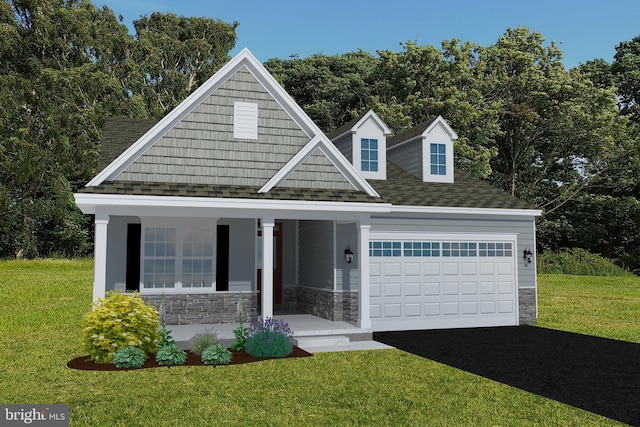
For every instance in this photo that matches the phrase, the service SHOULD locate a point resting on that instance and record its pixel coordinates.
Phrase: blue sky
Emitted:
(584, 29)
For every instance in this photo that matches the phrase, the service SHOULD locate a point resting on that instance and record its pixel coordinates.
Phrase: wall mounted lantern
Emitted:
(348, 255)
(528, 255)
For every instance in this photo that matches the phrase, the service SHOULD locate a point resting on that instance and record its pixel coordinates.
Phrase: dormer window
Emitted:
(369, 155)
(438, 159)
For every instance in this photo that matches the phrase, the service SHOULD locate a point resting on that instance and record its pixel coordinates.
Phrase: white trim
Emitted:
(464, 211)
(175, 116)
(452, 236)
(331, 152)
(89, 202)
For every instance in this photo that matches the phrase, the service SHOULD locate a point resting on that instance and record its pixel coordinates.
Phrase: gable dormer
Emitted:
(426, 150)
(363, 142)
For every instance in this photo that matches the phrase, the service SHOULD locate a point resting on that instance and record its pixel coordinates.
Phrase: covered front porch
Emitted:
(209, 261)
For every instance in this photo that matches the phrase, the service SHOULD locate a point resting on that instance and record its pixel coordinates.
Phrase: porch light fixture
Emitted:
(528, 255)
(348, 255)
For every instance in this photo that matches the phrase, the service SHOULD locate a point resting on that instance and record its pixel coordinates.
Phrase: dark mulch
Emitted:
(85, 364)
(596, 374)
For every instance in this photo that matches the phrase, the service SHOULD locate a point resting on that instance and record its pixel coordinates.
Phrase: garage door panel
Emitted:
(393, 310)
(469, 268)
(505, 268)
(451, 308)
(469, 288)
(431, 268)
(432, 288)
(450, 268)
(412, 289)
(430, 284)
(469, 307)
(374, 290)
(392, 289)
(412, 310)
(505, 287)
(487, 268)
(392, 269)
(450, 288)
(431, 308)
(412, 269)
(487, 288)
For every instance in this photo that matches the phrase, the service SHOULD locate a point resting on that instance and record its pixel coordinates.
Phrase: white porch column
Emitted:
(100, 256)
(267, 267)
(364, 312)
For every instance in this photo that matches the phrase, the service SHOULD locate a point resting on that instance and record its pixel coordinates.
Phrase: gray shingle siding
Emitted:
(408, 156)
(202, 150)
(317, 172)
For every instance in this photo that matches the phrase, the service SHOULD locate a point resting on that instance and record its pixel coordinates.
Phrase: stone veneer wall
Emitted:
(336, 306)
(219, 307)
(527, 306)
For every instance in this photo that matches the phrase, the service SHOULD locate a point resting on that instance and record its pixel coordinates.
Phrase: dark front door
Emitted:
(134, 232)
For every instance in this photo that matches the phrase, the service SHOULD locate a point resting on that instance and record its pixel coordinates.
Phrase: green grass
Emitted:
(41, 308)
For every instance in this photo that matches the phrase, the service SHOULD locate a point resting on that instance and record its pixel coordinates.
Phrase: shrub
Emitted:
(129, 357)
(171, 354)
(269, 338)
(120, 320)
(202, 340)
(216, 354)
(579, 262)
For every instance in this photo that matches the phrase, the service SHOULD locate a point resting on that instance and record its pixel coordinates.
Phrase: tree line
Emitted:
(566, 140)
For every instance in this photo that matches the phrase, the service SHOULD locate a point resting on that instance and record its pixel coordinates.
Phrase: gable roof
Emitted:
(420, 129)
(154, 133)
(175, 116)
(357, 122)
(404, 189)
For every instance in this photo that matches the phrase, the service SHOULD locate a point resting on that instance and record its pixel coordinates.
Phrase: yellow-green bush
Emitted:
(120, 320)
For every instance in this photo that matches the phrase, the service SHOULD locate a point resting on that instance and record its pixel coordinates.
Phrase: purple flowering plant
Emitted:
(269, 338)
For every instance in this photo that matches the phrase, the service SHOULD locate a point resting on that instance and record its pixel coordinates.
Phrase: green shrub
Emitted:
(171, 354)
(216, 354)
(579, 262)
(129, 357)
(269, 338)
(202, 340)
(120, 320)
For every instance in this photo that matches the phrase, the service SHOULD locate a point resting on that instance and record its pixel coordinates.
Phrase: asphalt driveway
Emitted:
(596, 374)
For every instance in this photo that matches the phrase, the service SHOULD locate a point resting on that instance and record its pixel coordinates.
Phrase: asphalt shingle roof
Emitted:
(118, 133)
(238, 192)
(404, 189)
(409, 133)
(400, 188)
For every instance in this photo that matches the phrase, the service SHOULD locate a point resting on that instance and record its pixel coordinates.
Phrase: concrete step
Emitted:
(312, 342)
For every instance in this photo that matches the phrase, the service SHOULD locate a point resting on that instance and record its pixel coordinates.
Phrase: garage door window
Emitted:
(440, 249)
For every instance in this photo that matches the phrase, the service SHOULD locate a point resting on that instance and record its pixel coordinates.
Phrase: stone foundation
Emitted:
(219, 307)
(327, 304)
(527, 306)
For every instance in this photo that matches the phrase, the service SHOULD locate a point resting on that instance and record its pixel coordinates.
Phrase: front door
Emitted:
(277, 264)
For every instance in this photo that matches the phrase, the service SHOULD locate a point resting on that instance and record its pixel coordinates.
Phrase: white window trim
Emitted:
(180, 224)
(426, 149)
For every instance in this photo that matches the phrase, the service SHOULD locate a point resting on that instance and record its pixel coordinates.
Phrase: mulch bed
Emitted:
(84, 363)
(596, 374)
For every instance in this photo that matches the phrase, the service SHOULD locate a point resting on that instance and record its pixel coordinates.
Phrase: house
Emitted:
(236, 200)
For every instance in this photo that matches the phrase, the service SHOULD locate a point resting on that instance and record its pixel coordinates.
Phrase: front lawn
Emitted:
(41, 308)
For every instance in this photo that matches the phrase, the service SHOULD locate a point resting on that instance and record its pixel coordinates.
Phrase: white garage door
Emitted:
(431, 283)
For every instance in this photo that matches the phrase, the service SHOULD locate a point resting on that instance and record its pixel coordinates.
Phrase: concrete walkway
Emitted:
(311, 333)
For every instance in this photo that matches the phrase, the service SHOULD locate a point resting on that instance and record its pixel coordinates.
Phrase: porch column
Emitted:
(267, 267)
(364, 316)
(100, 256)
